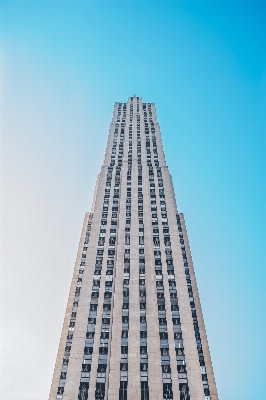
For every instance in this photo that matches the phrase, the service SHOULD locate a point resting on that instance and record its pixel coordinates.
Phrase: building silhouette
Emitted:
(133, 328)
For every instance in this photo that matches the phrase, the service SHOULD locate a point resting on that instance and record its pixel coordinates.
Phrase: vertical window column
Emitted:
(125, 305)
(164, 346)
(142, 282)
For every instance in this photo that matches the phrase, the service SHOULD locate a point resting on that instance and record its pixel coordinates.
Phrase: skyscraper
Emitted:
(133, 327)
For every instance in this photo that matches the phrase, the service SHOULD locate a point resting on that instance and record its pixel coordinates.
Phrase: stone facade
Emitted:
(134, 327)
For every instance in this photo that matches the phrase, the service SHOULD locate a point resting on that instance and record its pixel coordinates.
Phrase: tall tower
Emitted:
(133, 328)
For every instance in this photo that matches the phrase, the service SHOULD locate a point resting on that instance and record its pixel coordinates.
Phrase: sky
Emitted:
(63, 66)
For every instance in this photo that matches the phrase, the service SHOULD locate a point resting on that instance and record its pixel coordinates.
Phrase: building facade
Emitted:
(133, 327)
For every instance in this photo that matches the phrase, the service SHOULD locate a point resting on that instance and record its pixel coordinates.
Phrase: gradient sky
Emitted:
(63, 66)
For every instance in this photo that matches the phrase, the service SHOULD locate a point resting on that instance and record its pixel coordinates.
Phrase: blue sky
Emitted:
(63, 66)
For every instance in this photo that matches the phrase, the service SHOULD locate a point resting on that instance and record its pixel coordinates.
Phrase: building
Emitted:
(133, 327)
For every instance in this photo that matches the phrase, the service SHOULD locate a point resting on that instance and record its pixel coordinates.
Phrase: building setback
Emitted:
(133, 328)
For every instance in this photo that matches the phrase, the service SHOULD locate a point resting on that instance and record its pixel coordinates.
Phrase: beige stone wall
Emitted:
(153, 337)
